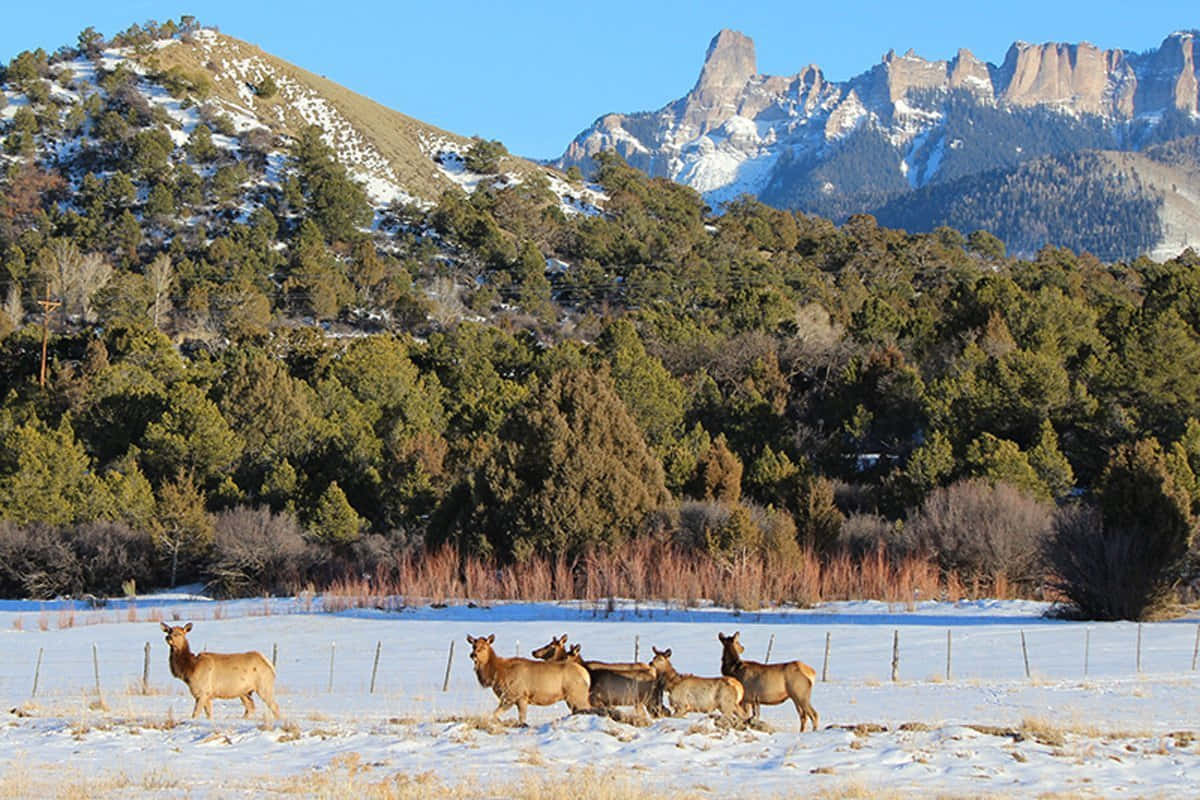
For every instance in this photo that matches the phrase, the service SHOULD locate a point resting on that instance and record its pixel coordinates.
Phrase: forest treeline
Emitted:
(262, 382)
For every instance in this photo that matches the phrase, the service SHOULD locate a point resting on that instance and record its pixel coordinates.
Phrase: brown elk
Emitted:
(613, 683)
(769, 683)
(521, 681)
(691, 693)
(220, 675)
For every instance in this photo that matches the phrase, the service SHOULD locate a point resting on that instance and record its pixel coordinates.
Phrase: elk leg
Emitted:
(522, 705)
(505, 705)
(248, 702)
(267, 694)
(196, 708)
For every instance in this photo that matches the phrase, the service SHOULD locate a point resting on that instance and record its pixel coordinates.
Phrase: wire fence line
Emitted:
(312, 664)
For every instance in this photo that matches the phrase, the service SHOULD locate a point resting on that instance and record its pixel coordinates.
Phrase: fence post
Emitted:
(947, 654)
(146, 671)
(1195, 649)
(375, 667)
(636, 646)
(770, 644)
(275, 654)
(1025, 653)
(96, 672)
(896, 655)
(332, 652)
(449, 658)
(1087, 649)
(1139, 648)
(825, 666)
(37, 672)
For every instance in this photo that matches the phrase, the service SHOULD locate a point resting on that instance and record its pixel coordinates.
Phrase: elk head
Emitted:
(177, 635)
(481, 648)
(732, 643)
(554, 650)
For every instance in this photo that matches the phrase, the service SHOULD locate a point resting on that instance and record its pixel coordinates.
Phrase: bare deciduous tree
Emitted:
(76, 277)
(161, 275)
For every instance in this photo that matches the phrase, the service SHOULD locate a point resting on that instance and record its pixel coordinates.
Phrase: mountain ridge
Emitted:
(771, 134)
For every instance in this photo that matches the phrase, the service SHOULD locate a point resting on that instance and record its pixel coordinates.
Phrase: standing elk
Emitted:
(220, 675)
(692, 693)
(522, 682)
(769, 683)
(629, 683)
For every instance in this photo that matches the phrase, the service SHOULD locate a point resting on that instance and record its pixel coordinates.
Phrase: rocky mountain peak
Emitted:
(729, 62)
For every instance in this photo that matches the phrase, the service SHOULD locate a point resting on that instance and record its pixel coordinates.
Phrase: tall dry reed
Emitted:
(649, 570)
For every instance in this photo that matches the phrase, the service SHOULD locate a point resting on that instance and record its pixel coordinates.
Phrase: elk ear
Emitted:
(166, 628)
(721, 638)
(735, 636)
(563, 639)
(667, 652)
(491, 638)
(187, 628)
(470, 639)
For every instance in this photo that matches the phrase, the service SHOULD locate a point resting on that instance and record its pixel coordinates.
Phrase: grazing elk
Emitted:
(769, 683)
(220, 675)
(613, 683)
(691, 693)
(521, 681)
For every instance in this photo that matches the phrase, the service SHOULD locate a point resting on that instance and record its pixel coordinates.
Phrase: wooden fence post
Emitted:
(825, 666)
(146, 671)
(275, 654)
(636, 646)
(37, 672)
(896, 655)
(770, 644)
(96, 672)
(1025, 653)
(947, 654)
(332, 652)
(1087, 649)
(375, 666)
(449, 658)
(1195, 648)
(1139, 648)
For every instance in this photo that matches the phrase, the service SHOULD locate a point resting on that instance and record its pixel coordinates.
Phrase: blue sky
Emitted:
(533, 74)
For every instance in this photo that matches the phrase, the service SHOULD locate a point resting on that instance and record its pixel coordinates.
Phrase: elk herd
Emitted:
(557, 673)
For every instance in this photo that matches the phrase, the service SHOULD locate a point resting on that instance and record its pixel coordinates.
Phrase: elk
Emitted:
(692, 693)
(220, 675)
(613, 683)
(769, 683)
(521, 681)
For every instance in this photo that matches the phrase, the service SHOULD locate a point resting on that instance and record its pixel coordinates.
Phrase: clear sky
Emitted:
(534, 73)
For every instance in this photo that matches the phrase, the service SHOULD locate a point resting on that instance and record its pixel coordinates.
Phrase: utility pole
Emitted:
(47, 305)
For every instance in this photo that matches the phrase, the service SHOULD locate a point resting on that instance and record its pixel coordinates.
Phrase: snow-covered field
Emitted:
(986, 730)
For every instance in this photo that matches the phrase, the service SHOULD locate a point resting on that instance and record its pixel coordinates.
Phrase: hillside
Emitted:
(909, 129)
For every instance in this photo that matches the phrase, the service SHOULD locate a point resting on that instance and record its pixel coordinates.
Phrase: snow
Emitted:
(1112, 731)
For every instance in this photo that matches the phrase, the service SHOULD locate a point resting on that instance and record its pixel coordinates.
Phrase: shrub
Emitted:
(484, 156)
(864, 534)
(266, 88)
(979, 529)
(1122, 558)
(258, 552)
(111, 553)
(37, 562)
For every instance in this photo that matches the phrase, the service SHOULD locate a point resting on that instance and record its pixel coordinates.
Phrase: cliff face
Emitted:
(836, 148)
(720, 136)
